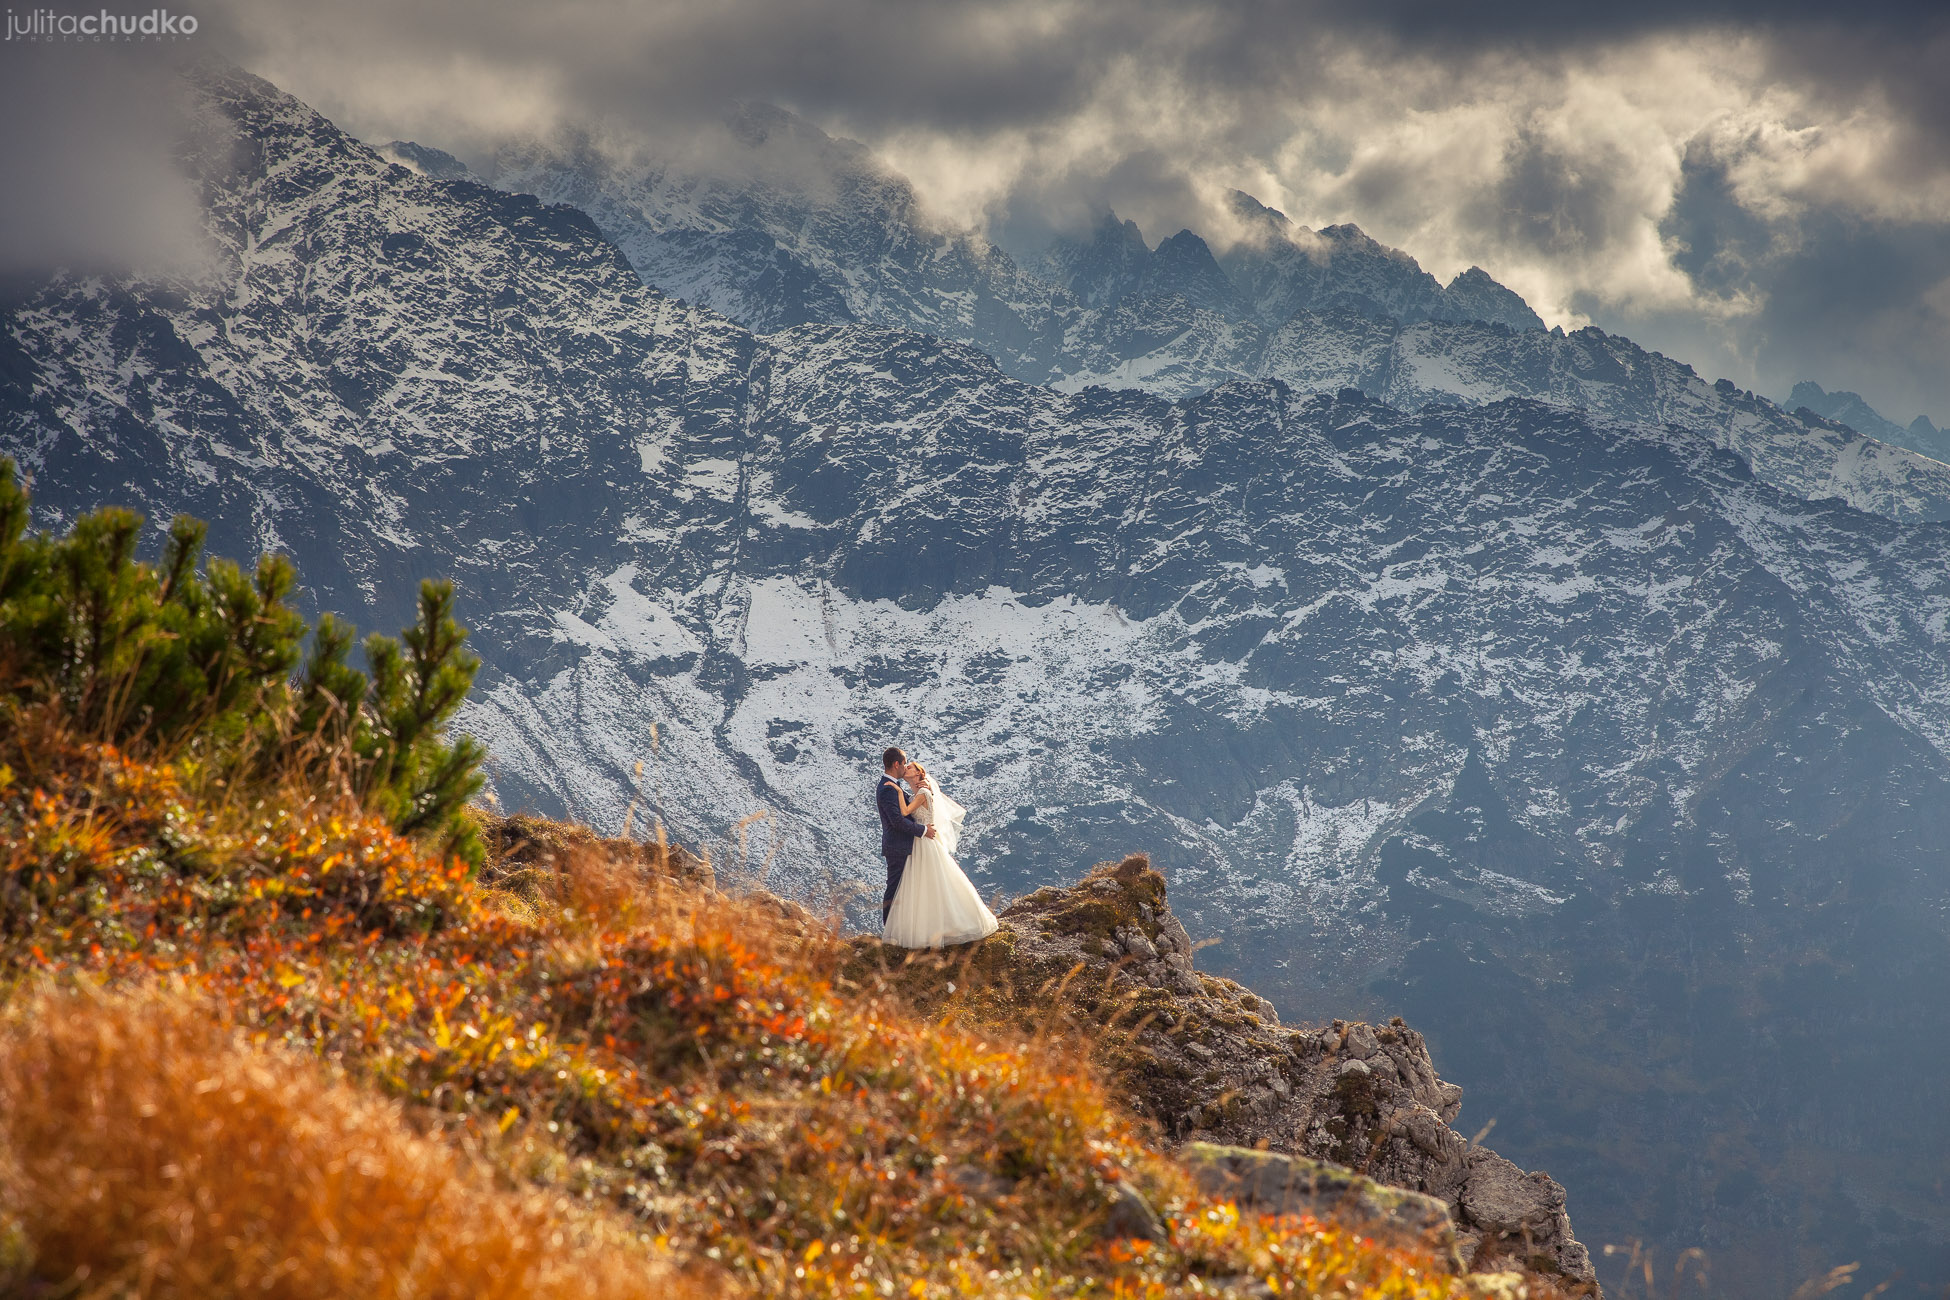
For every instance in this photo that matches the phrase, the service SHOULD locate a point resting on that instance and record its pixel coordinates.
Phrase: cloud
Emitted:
(87, 178)
(1733, 182)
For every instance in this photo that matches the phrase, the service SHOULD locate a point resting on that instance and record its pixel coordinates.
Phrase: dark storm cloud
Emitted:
(1554, 200)
(1731, 181)
(1836, 294)
(1550, 22)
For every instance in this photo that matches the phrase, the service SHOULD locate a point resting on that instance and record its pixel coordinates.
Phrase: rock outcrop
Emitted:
(1269, 1182)
(1210, 1063)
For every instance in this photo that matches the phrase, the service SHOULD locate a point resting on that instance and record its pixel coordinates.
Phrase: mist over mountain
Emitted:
(1594, 716)
(800, 228)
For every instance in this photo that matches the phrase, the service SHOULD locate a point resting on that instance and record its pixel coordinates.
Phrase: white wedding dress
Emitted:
(936, 905)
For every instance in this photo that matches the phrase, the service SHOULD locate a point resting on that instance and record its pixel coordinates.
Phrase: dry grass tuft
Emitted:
(149, 1152)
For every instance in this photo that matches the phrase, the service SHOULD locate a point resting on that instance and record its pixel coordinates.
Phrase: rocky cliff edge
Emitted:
(1210, 1063)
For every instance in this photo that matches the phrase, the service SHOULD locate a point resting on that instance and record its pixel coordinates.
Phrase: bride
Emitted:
(935, 905)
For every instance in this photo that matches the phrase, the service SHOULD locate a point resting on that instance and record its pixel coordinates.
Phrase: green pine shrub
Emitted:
(210, 664)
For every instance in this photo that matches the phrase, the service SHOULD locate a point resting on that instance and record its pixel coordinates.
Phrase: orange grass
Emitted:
(694, 1066)
(152, 1154)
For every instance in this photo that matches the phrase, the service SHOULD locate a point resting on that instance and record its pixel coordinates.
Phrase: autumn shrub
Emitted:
(127, 862)
(148, 1152)
(209, 662)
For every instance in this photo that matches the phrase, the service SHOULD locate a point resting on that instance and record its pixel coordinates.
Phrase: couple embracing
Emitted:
(929, 902)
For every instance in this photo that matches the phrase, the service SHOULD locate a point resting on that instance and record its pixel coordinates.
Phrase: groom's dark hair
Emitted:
(895, 754)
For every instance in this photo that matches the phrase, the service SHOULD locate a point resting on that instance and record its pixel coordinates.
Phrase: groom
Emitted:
(897, 830)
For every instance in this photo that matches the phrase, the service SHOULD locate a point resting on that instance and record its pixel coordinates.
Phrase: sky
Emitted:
(1762, 190)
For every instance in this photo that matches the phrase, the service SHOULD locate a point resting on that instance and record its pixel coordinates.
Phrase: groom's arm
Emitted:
(891, 814)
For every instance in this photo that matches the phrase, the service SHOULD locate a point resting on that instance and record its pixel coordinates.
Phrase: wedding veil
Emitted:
(948, 817)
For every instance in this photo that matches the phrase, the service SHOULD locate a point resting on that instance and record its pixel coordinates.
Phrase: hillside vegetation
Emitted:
(280, 1019)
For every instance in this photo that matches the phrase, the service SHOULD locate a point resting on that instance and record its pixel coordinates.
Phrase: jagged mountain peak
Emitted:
(786, 225)
(1346, 236)
(252, 111)
(1184, 244)
(1183, 266)
(437, 164)
(767, 129)
(220, 80)
(1113, 229)
(1279, 269)
(1812, 395)
(1475, 295)
(1256, 214)
(843, 238)
(1100, 268)
(1852, 410)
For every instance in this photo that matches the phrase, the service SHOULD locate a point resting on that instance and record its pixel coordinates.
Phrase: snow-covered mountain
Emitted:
(1920, 434)
(790, 226)
(787, 226)
(1621, 770)
(1275, 270)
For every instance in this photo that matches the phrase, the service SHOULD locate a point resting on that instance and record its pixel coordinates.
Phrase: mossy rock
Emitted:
(1107, 898)
(1267, 1182)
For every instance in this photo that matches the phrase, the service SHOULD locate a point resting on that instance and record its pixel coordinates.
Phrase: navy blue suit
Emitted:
(897, 835)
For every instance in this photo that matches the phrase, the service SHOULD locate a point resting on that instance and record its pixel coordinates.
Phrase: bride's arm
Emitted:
(909, 805)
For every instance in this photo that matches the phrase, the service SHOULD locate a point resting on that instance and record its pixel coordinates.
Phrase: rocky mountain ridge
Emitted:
(1273, 272)
(800, 228)
(1920, 434)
